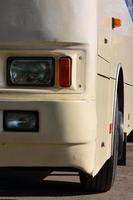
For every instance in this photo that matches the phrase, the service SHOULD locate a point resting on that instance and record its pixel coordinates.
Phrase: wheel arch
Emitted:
(119, 97)
(119, 85)
(119, 90)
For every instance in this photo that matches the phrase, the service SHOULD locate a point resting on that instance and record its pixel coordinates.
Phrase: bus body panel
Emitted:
(29, 155)
(121, 53)
(75, 123)
(104, 29)
(46, 20)
(104, 113)
(59, 122)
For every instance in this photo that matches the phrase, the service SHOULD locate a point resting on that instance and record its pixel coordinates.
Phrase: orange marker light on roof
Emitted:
(116, 23)
(65, 72)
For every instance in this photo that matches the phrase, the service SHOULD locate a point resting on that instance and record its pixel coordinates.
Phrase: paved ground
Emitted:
(64, 186)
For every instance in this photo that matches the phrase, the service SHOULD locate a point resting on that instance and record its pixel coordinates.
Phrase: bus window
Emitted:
(130, 7)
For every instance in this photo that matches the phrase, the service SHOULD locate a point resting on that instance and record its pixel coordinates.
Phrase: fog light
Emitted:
(21, 121)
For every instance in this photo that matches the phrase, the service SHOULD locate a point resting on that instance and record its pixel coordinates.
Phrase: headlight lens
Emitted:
(21, 121)
(31, 71)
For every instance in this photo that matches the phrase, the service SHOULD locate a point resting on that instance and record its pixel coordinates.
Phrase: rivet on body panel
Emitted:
(105, 40)
(80, 57)
(102, 144)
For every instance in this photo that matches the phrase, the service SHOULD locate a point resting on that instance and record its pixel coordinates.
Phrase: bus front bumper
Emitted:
(66, 136)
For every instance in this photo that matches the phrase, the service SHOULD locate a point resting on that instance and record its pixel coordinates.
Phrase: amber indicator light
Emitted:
(65, 72)
(116, 23)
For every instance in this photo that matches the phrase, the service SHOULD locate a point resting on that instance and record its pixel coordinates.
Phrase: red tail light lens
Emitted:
(65, 72)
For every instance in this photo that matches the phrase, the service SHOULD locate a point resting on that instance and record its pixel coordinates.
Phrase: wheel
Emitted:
(103, 181)
(121, 136)
(122, 142)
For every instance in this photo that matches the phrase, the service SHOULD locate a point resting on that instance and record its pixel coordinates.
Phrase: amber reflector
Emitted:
(116, 23)
(65, 72)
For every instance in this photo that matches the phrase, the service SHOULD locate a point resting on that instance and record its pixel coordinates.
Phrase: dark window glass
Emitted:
(130, 7)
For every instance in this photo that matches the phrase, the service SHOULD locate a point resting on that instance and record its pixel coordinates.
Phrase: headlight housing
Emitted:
(31, 71)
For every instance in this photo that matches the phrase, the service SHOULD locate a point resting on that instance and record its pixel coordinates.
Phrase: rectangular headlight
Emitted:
(31, 71)
(21, 121)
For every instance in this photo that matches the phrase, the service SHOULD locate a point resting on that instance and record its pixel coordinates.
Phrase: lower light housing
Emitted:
(21, 121)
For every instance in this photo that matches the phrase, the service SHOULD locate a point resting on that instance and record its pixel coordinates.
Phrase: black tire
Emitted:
(103, 181)
(121, 136)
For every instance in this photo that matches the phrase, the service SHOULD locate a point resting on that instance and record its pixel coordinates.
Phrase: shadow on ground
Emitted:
(130, 137)
(33, 186)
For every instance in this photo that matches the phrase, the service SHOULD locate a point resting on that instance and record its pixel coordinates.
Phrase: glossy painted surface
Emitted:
(47, 20)
(74, 121)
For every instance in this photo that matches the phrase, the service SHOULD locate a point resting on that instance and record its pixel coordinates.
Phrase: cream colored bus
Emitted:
(66, 86)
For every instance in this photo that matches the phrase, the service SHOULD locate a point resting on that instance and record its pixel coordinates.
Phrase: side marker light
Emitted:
(116, 23)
